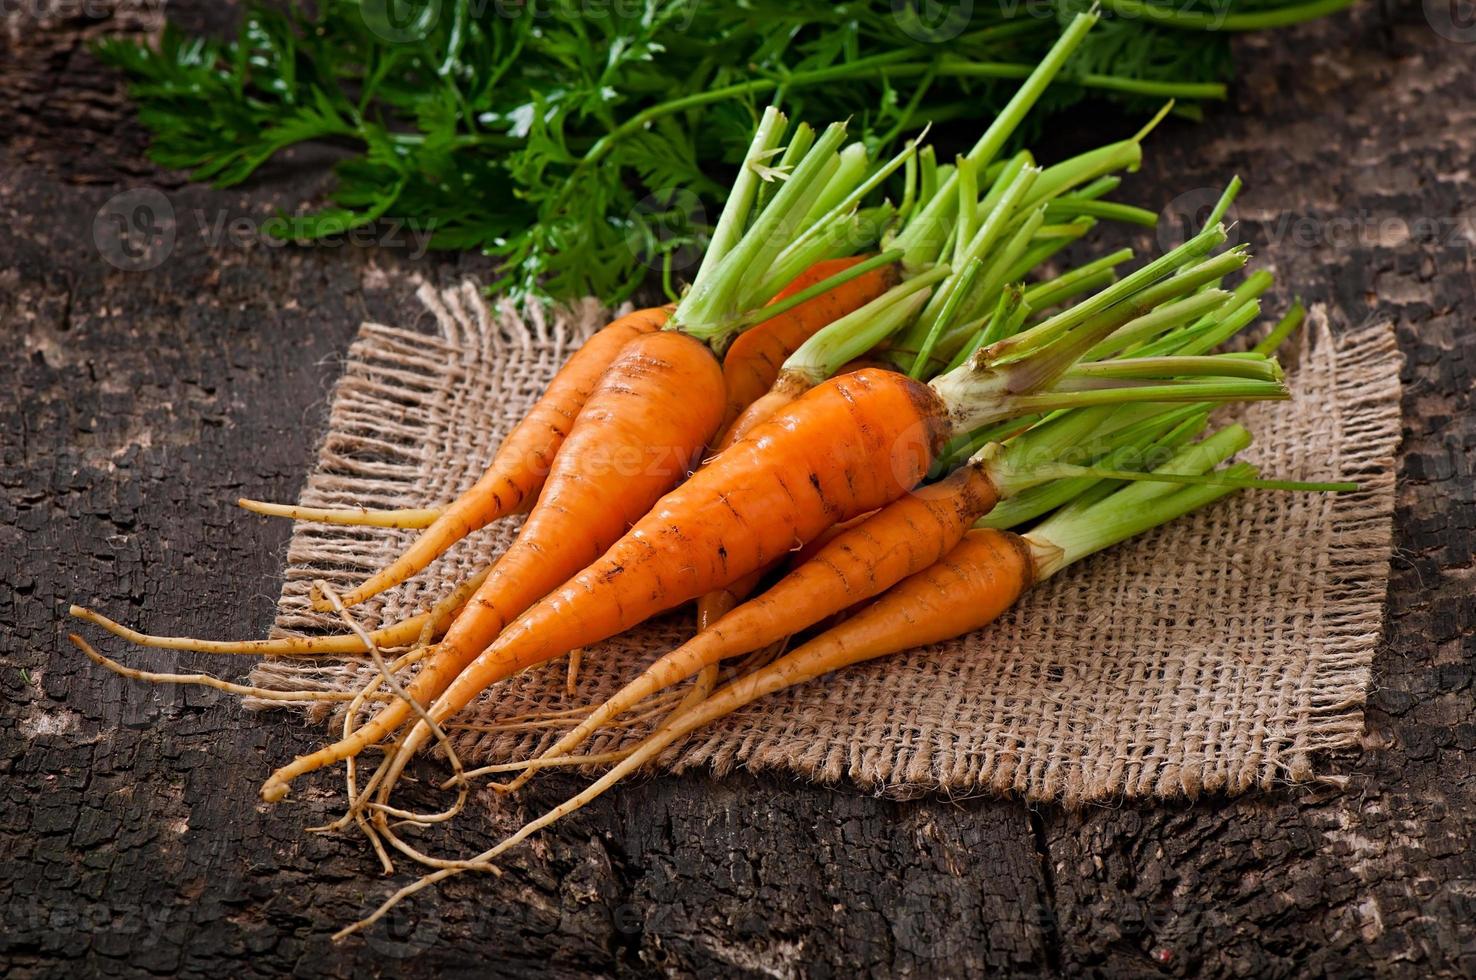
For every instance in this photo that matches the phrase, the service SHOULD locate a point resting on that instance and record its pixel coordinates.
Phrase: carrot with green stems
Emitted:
(651, 413)
(972, 585)
(898, 540)
(744, 266)
(850, 445)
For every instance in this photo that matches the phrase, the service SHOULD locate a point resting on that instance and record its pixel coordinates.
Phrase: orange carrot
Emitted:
(776, 489)
(899, 540)
(627, 447)
(522, 462)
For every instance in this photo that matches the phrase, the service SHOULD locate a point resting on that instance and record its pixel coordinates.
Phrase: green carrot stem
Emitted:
(1284, 328)
(978, 247)
(1084, 168)
(1067, 232)
(1038, 293)
(1150, 310)
(1048, 471)
(735, 283)
(1076, 531)
(1227, 198)
(856, 333)
(1042, 250)
(1161, 433)
(741, 197)
(850, 172)
(1188, 279)
(1022, 462)
(1200, 457)
(1064, 209)
(768, 312)
(996, 272)
(1218, 332)
(1208, 21)
(1064, 322)
(1054, 550)
(963, 283)
(1187, 390)
(806, 249)
(1009, 313)
(1177, 366)
(800, 142)
(919, 240)
(1100, 187)
(968, 197)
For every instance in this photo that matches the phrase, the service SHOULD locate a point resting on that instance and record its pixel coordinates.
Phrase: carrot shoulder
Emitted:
(754, 360)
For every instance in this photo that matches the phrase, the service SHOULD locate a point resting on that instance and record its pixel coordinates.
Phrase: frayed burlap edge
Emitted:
(1219, 654)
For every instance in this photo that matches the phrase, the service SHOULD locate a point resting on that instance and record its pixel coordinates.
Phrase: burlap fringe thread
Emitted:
(1220, 653)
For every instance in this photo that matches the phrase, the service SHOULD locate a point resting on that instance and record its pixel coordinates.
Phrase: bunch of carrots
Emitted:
(869, 423)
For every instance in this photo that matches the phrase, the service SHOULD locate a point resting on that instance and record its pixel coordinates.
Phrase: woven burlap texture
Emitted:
(1221, 653)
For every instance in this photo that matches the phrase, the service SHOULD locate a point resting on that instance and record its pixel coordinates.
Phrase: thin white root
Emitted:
(396, 899)
(571, 682)
(542, 762)
(355, 813)
(205, 680)
(412, 518)
(306, 646)
(398, 689)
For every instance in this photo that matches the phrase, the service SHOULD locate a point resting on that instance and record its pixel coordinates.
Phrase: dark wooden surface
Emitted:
(137, 405)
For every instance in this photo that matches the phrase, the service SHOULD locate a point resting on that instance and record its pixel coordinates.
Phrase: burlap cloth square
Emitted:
(1220, 653)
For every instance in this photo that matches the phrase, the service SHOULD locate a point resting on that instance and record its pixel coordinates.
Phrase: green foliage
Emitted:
(587, 142)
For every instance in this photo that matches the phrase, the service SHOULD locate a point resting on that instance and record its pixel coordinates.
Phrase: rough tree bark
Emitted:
(138, 405)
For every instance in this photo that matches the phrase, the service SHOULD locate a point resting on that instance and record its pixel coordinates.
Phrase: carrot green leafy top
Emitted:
(587, 145)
